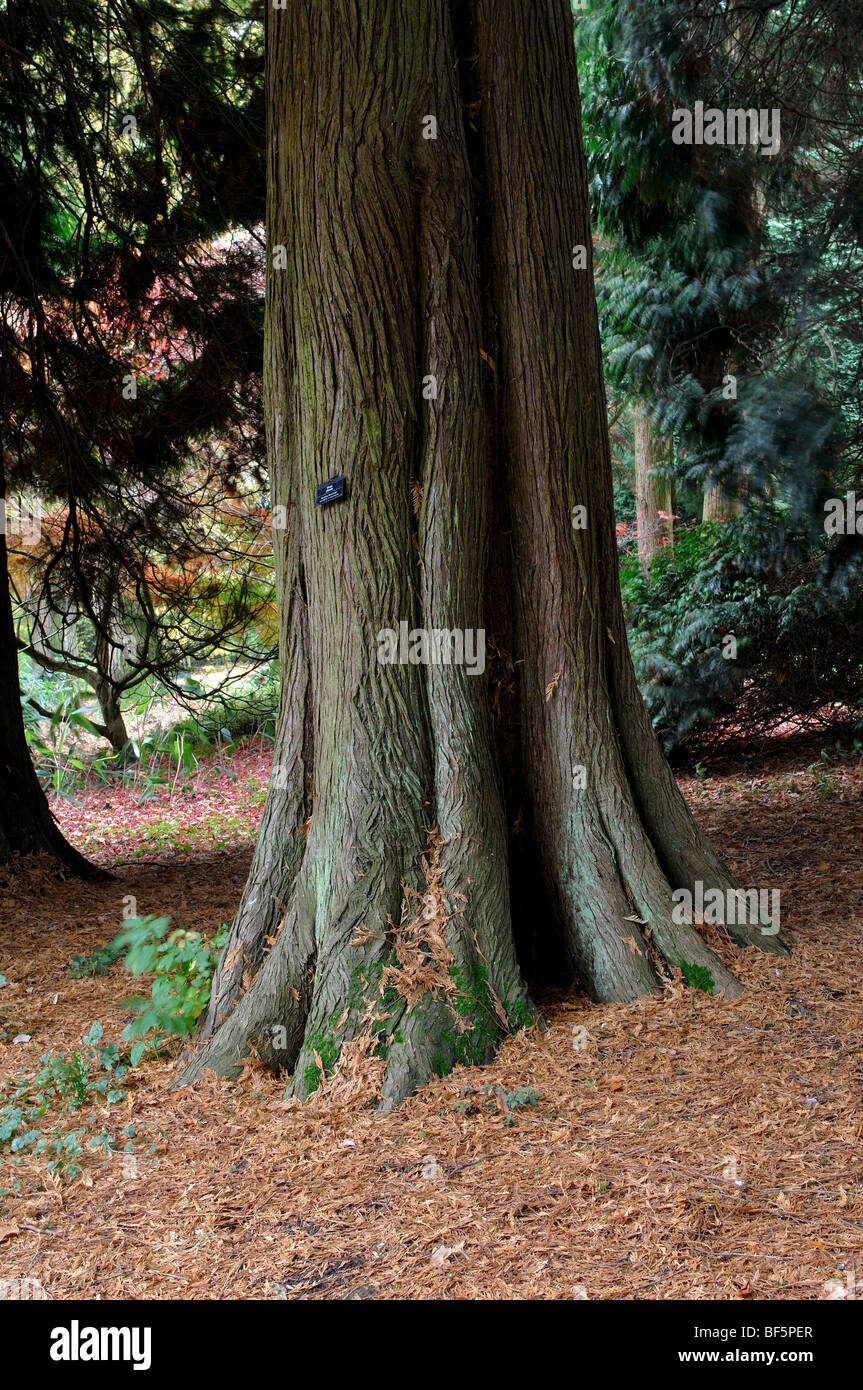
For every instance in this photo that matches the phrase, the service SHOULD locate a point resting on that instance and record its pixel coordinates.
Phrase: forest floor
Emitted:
(673, 1148)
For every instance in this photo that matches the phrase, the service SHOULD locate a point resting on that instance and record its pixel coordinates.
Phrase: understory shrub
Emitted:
(797, 631)
(32, 1108)
(182, 962)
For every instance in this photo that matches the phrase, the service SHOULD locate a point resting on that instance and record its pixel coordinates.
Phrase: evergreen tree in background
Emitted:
(728, 293)
(723, 262)
(131, 182)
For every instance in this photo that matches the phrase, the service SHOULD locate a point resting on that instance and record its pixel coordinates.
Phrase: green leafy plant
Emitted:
(798, 639)
(515, 1100)
(182, 963)
(522, 1096)
(827, 781)
(697, 977)
(97, 962)
(65, 1082)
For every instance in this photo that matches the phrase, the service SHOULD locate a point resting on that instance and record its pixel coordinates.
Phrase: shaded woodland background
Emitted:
(686, 1147)
(132, 346)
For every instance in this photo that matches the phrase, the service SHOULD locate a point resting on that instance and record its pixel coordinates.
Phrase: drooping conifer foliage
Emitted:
(728, 288)
(131, 197)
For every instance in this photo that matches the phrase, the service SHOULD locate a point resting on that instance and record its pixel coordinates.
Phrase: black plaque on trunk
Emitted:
(332, 491)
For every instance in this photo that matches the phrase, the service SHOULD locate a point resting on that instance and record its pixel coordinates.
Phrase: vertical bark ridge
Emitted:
(356, 334)
(344, 199)
(526, 67)
(265, 906)
(490, 997)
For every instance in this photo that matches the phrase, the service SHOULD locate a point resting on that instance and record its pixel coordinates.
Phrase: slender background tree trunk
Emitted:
(719, 504)
(653, 490)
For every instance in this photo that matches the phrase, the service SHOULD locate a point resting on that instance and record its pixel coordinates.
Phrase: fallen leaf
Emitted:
(442, 1254)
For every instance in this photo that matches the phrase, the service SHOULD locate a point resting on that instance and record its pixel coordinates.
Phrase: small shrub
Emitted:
(522, 1096)
(183, 964)
(98, 962)
(65, 1082)
(798, 634)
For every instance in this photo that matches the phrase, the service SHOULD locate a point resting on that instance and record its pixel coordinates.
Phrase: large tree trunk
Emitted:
(653, 489)
(26, 823)
(377, 913)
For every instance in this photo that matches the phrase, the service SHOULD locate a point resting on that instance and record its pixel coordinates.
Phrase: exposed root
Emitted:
(416, 1006)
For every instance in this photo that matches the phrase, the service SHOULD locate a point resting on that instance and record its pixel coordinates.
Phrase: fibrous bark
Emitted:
(430, 337)
(719, 504)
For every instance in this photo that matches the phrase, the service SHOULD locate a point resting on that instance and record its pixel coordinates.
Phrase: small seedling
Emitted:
(697, 977)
